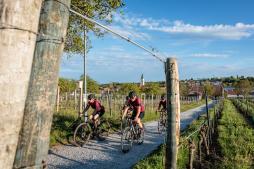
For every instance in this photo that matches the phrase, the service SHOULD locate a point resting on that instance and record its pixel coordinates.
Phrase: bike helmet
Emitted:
(91, 96)
(132, 94)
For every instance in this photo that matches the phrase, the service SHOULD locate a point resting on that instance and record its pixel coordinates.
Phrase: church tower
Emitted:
(142, 81)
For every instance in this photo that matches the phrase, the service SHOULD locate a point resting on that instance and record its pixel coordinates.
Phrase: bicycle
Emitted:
(85, 130)
(162, 122)
(130, 134)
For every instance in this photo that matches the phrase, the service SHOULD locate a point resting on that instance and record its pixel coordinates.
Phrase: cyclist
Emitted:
(138, 108)
(126, 104)
(162, 104)
(99, 110)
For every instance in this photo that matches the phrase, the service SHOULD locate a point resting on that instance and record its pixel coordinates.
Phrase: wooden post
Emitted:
(75, 99)
(207, 111)
(57, 99)
(173, 113)
(110, 104)
(192, 148)
(19, 25)
(32, 150)
(208, 118)
(80, 97)
(152, 102)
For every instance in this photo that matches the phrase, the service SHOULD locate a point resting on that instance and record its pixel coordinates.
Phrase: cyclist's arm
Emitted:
(87, 107)
(159, 106)
(125, 111)
(138, 111)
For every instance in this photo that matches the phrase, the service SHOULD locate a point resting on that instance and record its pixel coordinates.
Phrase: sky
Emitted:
(209, 38)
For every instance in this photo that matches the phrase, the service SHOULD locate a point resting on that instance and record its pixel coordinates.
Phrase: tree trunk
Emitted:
(18, 29)
(33, 143)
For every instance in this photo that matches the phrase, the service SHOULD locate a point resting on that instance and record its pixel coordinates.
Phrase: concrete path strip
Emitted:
(107, 154)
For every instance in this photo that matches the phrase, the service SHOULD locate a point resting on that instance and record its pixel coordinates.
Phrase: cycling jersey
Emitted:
(136, 103)
(163, 103)
(96, 105)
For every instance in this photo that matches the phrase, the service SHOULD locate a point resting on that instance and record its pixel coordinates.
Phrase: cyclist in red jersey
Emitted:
(138, 108)
(163, 104)
(96, 105)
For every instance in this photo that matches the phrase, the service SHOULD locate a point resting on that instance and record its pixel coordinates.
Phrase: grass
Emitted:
(185, 107)
(236, 139)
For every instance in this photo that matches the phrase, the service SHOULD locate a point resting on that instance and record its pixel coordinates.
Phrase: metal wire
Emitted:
(119, 35)
(186, 138)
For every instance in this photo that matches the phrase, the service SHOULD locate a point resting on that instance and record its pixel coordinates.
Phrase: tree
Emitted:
(152, 88)
(184, 89)
(92, 85)
(67, 85)
(19, 24)
(33, 142)
(127, 87)
(95, 9)
(244, 87)
(208, 88)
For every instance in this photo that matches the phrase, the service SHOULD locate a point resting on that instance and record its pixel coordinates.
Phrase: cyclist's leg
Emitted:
(141, 115)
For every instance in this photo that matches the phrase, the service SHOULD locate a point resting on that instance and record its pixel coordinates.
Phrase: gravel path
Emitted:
(107, 154)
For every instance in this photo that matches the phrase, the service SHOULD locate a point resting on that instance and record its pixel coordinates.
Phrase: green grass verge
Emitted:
(236, 139)
(185, 107)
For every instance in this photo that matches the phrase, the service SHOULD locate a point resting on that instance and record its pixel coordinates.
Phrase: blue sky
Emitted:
(208, 37)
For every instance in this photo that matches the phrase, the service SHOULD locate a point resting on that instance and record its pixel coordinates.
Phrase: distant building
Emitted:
(142, 81)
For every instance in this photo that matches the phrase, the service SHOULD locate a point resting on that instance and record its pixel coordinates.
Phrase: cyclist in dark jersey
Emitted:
(163, 104)
(96, 105)
(138, 108)
(127, 104)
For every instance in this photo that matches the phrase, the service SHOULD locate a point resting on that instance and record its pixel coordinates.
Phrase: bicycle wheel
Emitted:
(126, 140)
(82, 134)
(126, 122)
(104, 128)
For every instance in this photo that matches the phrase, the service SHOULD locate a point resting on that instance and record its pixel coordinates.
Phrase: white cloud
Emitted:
(218, 31)
(209, 55)
(229, 32)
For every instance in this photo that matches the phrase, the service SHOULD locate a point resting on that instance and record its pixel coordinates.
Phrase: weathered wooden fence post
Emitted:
(32, 150)
(208, 118)
(19, 24)
(173, 112)
(57, 99)
(75, 99)
(80, 85)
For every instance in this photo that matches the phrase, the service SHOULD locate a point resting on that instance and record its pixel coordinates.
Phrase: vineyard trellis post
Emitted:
(18, 37)
(33, 144)
(173, 113)
(57, 98)
(80, 86)
(208, 118)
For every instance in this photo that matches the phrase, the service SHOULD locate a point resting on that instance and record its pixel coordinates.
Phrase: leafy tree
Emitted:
(96, 9)
(152, 88)
(244, 87)
(127, 87)
(184, 89)
(208, 88)
(66, 85)
(92, 85)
